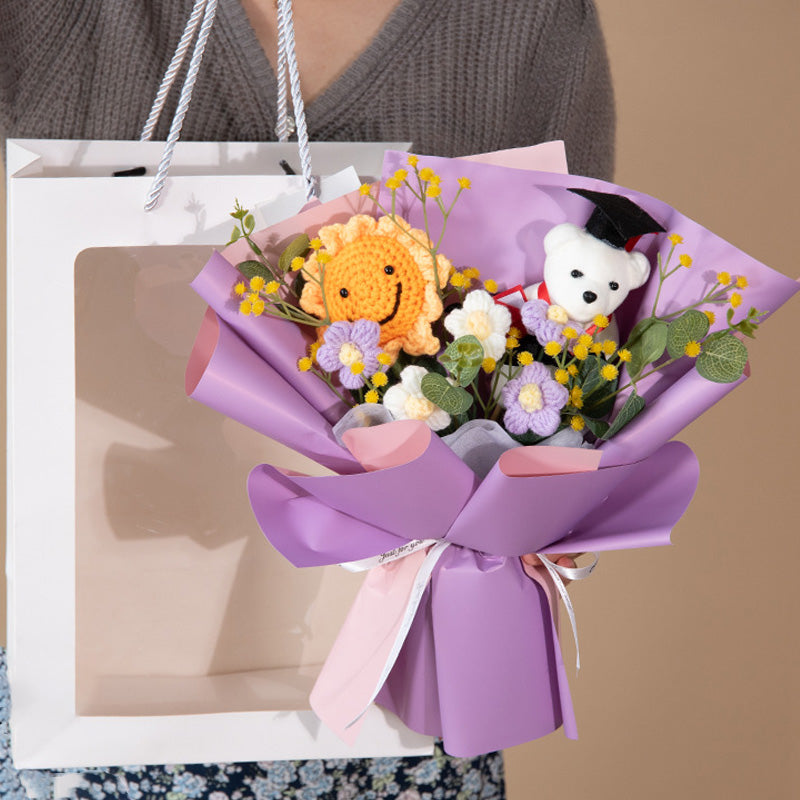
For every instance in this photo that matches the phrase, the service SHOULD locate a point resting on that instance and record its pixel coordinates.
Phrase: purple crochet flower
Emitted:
(533, 401)
(535, 319)
(352, 348)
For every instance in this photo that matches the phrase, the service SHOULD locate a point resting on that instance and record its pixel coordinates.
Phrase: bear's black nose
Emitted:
(589, 297)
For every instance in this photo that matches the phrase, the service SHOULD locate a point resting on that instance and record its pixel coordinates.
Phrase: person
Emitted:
(454, 77)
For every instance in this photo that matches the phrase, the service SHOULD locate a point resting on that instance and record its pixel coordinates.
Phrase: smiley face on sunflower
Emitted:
(381, 270)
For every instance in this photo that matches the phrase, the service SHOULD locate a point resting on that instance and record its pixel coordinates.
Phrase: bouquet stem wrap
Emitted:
(480, 666)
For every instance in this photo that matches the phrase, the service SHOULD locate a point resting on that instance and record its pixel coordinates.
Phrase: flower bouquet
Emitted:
(490, 362)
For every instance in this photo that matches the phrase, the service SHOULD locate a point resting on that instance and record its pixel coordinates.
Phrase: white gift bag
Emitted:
(149, 622)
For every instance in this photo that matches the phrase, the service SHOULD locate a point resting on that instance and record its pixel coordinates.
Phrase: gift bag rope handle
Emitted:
(202, 17)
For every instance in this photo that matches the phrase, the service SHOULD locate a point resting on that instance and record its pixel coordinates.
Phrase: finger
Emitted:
(562, 559)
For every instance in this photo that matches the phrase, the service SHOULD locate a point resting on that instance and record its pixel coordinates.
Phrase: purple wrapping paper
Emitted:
(481, 666)
(233, 375)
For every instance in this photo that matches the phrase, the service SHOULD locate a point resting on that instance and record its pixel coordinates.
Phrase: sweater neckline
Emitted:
(333, 101)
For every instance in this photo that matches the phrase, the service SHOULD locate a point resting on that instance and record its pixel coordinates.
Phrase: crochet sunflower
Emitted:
(382, 270)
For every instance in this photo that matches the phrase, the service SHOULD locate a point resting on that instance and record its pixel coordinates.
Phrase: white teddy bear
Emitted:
(587, 276)
(590, 271)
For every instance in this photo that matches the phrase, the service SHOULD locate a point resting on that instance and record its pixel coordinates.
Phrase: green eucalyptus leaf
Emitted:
(297, 284)
(601, 404)
(252, 268)
(598, 427)
(463, 358)
(634, 405)
(452, 399)
(235, 235)
(723, 359)
(647, 343)
(297, 247)
(249, 223)
(589, 377)
(689, 327)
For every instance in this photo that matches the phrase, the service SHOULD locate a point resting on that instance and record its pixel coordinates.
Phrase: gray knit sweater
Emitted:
(453, 76)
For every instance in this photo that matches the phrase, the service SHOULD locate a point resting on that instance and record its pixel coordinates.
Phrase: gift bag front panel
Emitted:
(174, 579)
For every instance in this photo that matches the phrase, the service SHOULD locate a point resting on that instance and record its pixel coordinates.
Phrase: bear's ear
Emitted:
(639, 268)
(560, 235)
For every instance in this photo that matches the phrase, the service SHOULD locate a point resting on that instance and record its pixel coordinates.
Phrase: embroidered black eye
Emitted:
(343, 293)
(613, 286)
(389, 269)
(576, 273)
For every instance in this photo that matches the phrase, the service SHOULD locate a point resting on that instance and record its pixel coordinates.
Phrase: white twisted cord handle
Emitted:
(283, 128)
(285, 15)
(172, 70)
(205, 10)
(209, 10)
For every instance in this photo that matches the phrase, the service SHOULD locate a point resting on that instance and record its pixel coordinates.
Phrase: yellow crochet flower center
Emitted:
(557, 314)
(349, 354)
(479, 324)
(530, 398)
(418, 407)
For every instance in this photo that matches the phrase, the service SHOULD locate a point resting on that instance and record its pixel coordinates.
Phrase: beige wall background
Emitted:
(689, 687)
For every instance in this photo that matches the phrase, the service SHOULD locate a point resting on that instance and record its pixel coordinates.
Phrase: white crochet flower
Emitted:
(405, 400)
(484, 319)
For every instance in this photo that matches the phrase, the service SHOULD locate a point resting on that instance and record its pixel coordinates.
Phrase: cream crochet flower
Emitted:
(405, 400)
(484, 319)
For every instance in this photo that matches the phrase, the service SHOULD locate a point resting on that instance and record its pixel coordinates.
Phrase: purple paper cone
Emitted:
(227, 375)
(670, 408)
(418, 499)
(643, 509)
(279, 342)
(513, 516)
(305, 530)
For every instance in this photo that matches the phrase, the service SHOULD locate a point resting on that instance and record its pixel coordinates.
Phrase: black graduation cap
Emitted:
(617, 220)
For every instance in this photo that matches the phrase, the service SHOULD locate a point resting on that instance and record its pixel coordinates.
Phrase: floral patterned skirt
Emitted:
(439, 777)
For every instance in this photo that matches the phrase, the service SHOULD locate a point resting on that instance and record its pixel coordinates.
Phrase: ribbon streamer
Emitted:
(418, 589)
(386, 558)
(557, 572)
